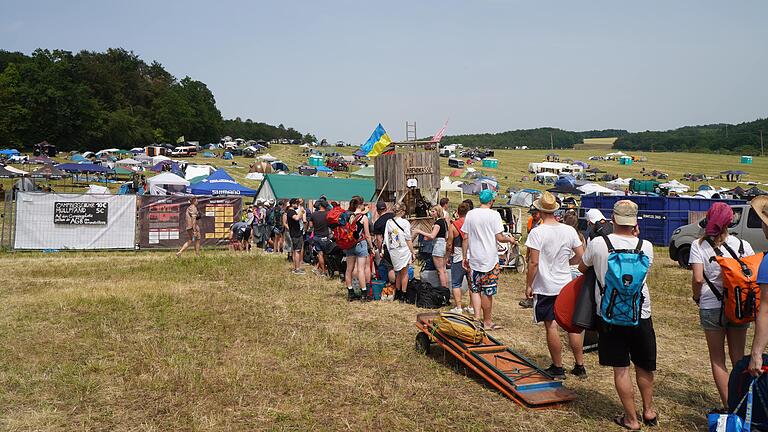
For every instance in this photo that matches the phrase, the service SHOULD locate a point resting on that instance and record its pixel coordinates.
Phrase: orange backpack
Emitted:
(740, 297)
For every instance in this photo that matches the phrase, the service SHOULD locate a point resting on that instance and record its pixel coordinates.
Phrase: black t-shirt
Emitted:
(381, 223)
(443, 232)
(320, 222)
(294, 228)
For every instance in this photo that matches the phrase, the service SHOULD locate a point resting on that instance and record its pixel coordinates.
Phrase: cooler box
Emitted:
(490, 163)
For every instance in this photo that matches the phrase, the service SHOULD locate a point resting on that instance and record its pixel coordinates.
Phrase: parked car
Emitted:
(748, 228)
(337, 165)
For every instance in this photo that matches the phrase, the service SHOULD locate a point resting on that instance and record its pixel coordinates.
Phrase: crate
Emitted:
(660, 216)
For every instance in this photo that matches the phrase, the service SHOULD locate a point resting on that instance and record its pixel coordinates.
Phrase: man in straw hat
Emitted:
(482, 228)
(552, 247)
(621, 344)
(760, 341)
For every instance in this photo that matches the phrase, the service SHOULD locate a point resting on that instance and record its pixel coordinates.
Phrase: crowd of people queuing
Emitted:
(465, 242)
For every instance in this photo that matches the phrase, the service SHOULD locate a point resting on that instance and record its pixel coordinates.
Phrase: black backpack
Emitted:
(424, 295)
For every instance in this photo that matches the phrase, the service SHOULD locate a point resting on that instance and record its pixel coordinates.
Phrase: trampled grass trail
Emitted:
(232, 341)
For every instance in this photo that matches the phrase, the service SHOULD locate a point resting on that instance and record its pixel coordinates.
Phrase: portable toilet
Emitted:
(316, 160)
(625, 160)
(746, 160)
(490, 163)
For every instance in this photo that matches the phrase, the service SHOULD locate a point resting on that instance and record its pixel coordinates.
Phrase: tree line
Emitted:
(539, 138)
(93, 100)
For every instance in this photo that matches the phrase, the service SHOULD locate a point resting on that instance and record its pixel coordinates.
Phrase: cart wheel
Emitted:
(423, 344)
(520, 264)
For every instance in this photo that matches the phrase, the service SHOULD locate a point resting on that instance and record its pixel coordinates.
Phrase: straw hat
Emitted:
(760, 205)
(547, 203)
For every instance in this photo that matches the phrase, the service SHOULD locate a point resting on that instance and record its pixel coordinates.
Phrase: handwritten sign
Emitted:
(416, 170)
(80, 213)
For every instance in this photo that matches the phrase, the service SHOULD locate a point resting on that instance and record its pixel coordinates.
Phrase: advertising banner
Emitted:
(75, 221)
(162, 222)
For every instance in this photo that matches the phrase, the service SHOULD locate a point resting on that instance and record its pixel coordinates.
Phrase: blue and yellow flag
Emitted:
(376, 144)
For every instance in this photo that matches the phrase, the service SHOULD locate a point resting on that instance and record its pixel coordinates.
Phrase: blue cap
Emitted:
(486, 196)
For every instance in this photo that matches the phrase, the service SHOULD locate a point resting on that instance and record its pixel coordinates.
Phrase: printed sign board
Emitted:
(80, 213)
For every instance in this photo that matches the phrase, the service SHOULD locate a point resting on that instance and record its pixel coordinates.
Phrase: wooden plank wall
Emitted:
(391, 169)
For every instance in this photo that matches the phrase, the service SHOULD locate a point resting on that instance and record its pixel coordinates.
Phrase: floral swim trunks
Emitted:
(486, 282)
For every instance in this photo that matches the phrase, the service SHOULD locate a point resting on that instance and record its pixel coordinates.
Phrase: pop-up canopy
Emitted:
(220, 183)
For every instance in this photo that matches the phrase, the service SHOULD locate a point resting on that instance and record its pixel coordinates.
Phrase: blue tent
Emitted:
(208, 154)
(227, 156)
(84, 168)
(219, 183)
(323, 168)
(77, 157)
(160, 166)
(9, 152)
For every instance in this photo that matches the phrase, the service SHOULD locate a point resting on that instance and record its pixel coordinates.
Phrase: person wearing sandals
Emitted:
(397, 238)
(707, 284)
(482, 228)
(457, 271)
(552, 247)
(441, 235)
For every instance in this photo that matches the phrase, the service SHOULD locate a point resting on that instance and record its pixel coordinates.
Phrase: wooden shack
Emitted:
(418, 161)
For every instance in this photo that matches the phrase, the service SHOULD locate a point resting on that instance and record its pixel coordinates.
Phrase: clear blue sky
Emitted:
(337, 68)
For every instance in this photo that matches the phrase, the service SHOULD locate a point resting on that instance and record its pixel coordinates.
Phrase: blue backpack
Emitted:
(623, 290)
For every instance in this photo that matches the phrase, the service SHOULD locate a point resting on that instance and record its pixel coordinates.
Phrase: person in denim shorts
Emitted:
(358, 256)
(707, 285)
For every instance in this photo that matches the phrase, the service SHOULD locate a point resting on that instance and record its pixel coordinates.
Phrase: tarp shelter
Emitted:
(9, 152)
(323, 169)
(128, 162)
(277, 186)
(16, 170)
(594, 188)
(5, 173)
(220, 183)
(123, 171)
(267, 157)
(193, 171)
(674, 186)
(48, 172)
(523, 198)
(18, 159)
(83, 168)
(77, 157)
(446, 185)
(166, 182)
(364, 172)
(98, 190)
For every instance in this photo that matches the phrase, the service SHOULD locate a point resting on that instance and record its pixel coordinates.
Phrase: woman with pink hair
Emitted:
(707, 285)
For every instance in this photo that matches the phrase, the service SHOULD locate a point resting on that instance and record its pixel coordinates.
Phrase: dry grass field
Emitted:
(229, 341)
(142, 341)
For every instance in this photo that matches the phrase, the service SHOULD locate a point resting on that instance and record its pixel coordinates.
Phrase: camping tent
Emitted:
(277, 186)
(77, 157)
(227, 156)
(42, 159)
(9, 152)
(523, 198)
(208, 154)
(545, 177)
(480, 183)
(193, 171)
(619, 183)
(160, 158)
(267, 157)
(220, 183)
(446, 185)
(107, 151)
(166, 182)
(280, 166)
(128, 161)
(364, 172)
(323, 168)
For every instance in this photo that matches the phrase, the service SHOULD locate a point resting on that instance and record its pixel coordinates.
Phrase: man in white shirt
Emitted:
(483, 228)
(620, 344)
(552, 247)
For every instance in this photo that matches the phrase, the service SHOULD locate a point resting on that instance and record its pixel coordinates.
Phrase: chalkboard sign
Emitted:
(80, 213)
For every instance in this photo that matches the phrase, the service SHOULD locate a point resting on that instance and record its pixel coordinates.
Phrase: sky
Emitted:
(338, 68)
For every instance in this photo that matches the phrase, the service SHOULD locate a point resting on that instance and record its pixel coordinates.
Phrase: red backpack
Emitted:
(345, 235)
(336, 216)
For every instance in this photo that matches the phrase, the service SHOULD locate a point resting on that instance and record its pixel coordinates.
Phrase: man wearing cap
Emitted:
(552, 247)
(596, 225)
(482, 229)
(620, 345)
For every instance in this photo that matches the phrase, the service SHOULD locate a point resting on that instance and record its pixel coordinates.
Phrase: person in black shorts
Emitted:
(382, 254)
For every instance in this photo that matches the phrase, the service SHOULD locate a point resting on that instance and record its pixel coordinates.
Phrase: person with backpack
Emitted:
(277, 226)
(397, 239)
(552, 246)
(708, 289)
(759, 205)
(621, 262)
(353, 236)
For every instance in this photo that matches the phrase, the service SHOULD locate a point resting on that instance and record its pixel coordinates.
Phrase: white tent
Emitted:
(98, 190)
(591, 188)
(619, 183)
(523, 198)
(166, 182)
(446, 185)
(157, 159)
(255, 176)
(107, 151)
(675, 186)
(616, 154)
(267, 157)
(128, 161)
(197, 171)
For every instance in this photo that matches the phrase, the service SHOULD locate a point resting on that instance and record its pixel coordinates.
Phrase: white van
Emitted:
(184, 151)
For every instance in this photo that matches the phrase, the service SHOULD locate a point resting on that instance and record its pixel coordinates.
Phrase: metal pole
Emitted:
(761, 143)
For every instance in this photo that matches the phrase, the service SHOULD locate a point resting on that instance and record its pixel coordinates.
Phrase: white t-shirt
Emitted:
(555, 244)
(596, 255)
(481, 226)
(700, 254)
(397, 232)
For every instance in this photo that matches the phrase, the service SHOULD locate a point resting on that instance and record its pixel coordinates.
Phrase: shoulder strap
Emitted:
(608, 243)
(714, 290)
(639, 247)
(741, 247)
(398, 225)
(730, 251)
(717, 250)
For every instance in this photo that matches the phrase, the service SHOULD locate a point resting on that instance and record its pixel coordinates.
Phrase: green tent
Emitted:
(278, 186)
(122, 171)
(364, 172)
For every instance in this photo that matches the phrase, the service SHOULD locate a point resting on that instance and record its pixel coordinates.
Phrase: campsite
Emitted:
(228, 341)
